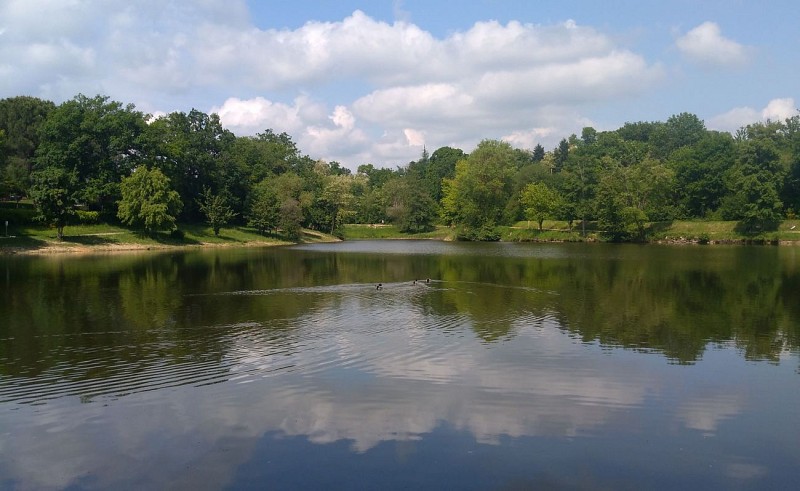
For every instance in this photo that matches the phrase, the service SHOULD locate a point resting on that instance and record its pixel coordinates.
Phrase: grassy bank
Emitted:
(560, 231)
(380, 231)
(678, 231)
(102, 237)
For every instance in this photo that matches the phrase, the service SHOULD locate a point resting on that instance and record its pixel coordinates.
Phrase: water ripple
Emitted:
(353, 327)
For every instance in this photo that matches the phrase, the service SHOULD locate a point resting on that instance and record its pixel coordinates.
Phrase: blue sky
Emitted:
(372, 82)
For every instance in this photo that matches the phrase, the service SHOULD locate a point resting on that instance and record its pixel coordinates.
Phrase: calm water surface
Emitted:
(517, 366)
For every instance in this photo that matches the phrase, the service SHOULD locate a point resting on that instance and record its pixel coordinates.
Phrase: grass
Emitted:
(673, 231)
(720, 231)
(360, 231)
(104, 236)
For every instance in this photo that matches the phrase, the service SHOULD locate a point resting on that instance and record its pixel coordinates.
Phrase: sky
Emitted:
(376, 82)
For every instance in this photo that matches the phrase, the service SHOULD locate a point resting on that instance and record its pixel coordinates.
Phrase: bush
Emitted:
(486, 233)
(177, 234)
(85, 217)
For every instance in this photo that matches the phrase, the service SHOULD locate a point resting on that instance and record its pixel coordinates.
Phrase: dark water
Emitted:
(516, 367)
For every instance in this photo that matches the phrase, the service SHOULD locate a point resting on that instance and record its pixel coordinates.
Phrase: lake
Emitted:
(516, 366)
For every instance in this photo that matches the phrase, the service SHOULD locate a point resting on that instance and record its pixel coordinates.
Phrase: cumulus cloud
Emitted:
(706, 45)
(488, 81)
(251, 116)
(779, 109)
(775, 110)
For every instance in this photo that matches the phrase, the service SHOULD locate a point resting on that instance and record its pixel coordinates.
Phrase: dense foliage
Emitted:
(91, 154)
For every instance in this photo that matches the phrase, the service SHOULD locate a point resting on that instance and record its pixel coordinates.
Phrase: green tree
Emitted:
(190, 149)
(216, 209)
(475, 198)
(336, 201)
(560, 155)
(680, 130)
(148, 201)
(588, 135)
(265, 207)
(540, 202)
(790, 194)
(376, 177)
(408, 206)
(700, 171)
(538, 153)
(291, 215)
(627, 197)
(97, 140)
(53, 193)
(754, 182)
(20, 120)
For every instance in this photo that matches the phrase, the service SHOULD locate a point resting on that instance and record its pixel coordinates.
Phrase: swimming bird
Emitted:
(379, 287)
(428, 280)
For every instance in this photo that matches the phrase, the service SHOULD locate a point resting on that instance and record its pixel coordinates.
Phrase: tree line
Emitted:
(95, 159)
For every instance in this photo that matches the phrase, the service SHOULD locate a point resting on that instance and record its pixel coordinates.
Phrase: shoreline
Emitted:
(67, 248)
(54, 249)
(82, 249)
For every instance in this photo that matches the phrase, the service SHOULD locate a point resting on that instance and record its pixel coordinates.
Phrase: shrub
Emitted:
(87, 217)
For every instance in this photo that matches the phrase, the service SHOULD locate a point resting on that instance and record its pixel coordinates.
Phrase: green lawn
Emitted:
(103, 235)
(678, 231)
(112, 236)
(358, 231)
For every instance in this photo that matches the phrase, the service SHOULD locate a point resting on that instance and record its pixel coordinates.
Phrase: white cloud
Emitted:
(488, 81)
(706, 45)
(414, 138)
(779, 109)
(337, 141)
(775, 110)
(430, 103)
(528, 138)
(586, 79)
(251, 116)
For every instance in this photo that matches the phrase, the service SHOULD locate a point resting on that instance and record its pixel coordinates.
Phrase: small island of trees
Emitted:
(92, 160)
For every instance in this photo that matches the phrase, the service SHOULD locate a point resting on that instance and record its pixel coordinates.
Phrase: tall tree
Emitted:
(540, 202)
(409, 207)
(189, 149)
(98, 141)
(53, 192)
(475, 198)
(216, 209)
(560, 155)
(680, 130)
(627, 197)
(148, 201)
(790, 194)
(336, 201)
(538, 153)
(20, 120)
(264, 207)
(700, 171)
(754, 184)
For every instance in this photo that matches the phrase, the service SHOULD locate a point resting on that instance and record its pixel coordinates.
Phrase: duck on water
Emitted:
(379, 286)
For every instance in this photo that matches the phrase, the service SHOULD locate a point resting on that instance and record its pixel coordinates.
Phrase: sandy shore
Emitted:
(67, 248)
